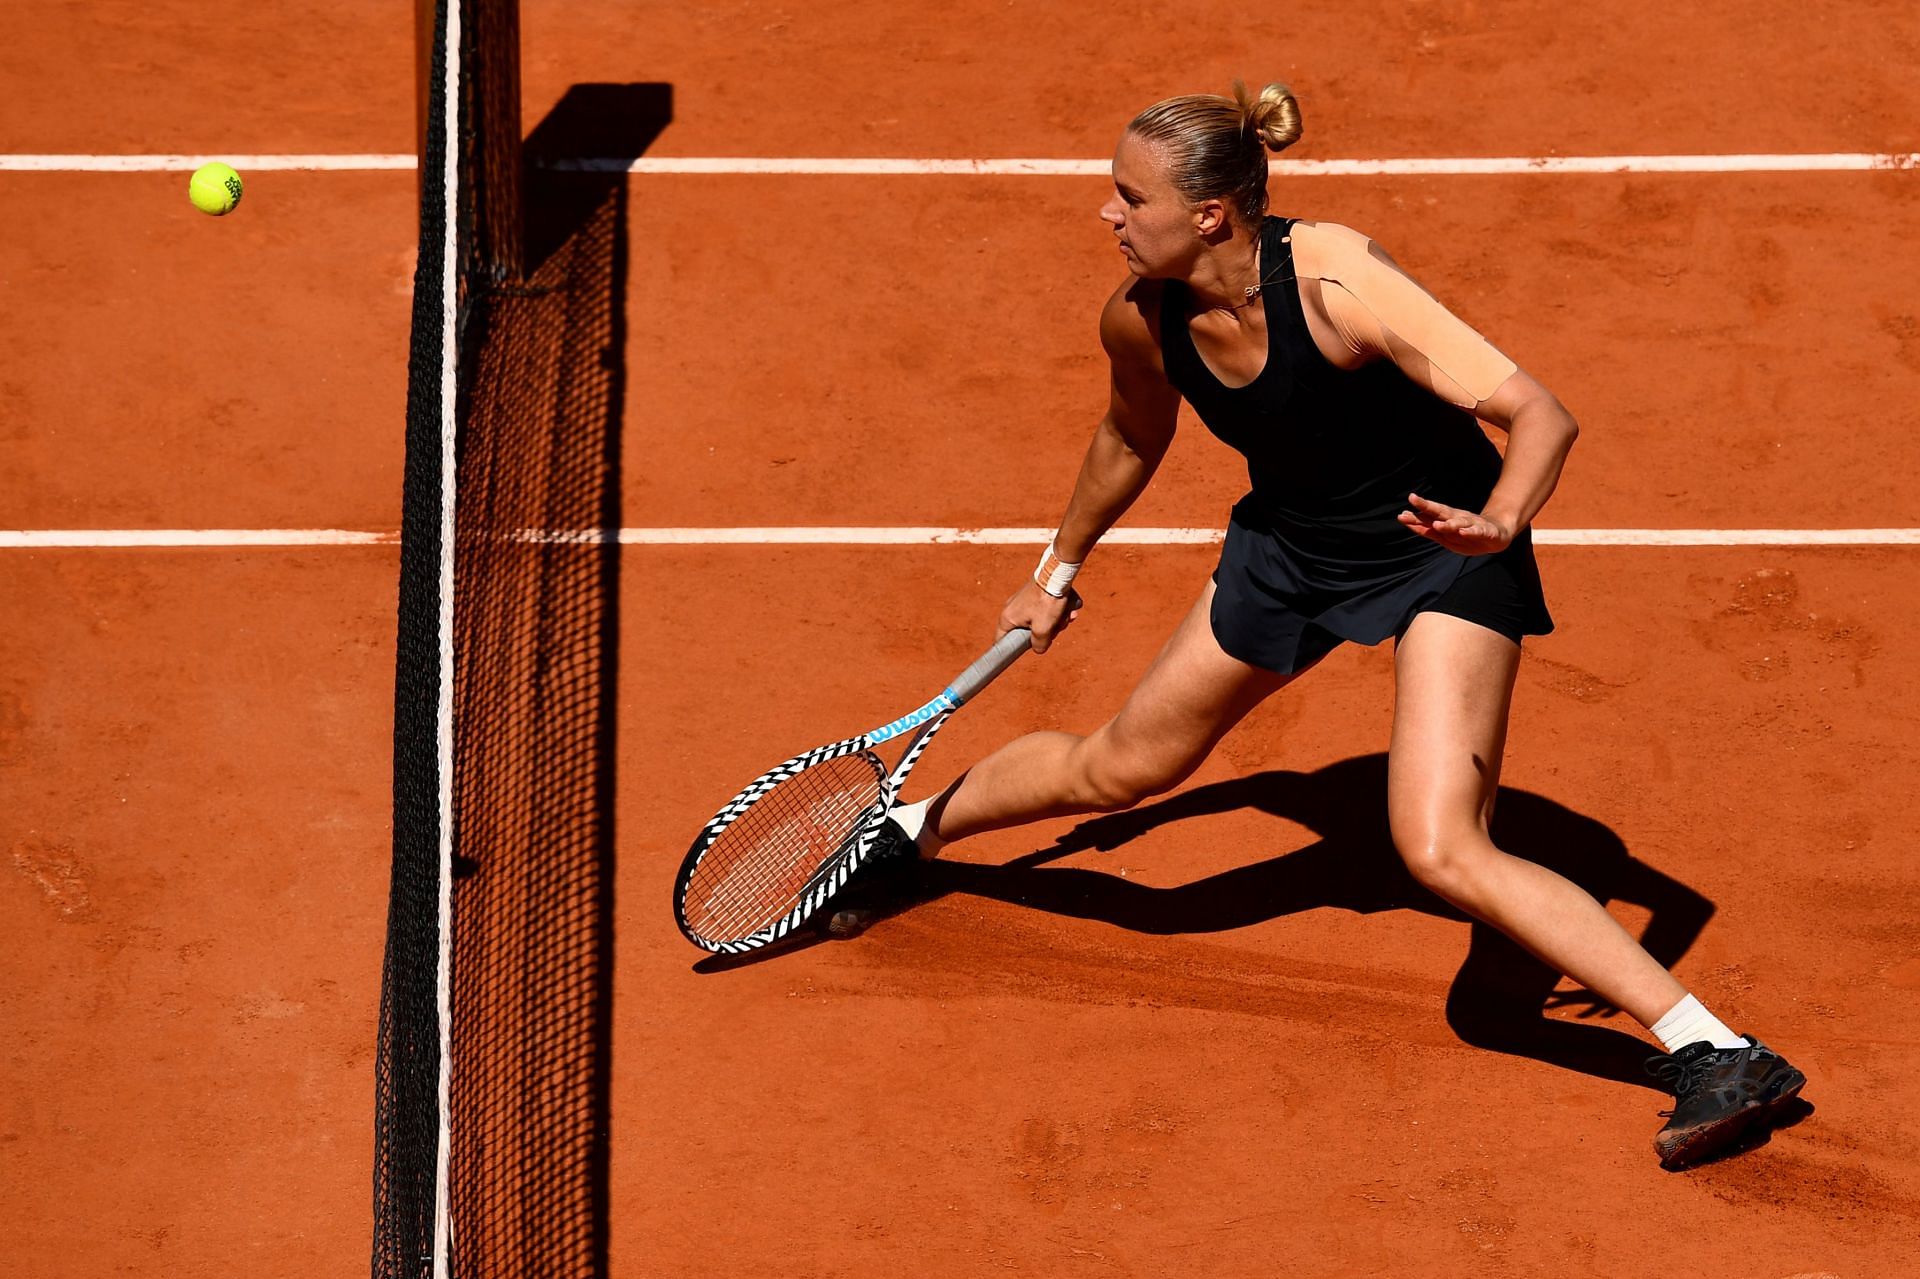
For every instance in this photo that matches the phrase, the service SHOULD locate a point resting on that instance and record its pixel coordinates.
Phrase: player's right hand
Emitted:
(1043, 614)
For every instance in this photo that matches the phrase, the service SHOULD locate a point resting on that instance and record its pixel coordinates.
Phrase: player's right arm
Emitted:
(1125, 451)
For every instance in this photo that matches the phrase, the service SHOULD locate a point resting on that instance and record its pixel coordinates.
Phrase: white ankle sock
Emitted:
(1688, 1022)
(913, 820)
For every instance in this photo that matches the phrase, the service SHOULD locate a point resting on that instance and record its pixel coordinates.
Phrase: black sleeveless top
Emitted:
(1332, 454)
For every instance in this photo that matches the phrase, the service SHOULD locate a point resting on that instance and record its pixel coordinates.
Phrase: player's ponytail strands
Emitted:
(1054, 575)
(1216, 147)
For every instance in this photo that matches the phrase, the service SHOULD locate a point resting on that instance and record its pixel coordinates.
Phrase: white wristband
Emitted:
(1054, 575)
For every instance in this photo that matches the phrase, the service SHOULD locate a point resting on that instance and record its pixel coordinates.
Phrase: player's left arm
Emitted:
(1378, 311)
(1540, 433)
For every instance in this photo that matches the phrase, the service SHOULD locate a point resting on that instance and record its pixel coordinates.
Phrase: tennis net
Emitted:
(493, 1049)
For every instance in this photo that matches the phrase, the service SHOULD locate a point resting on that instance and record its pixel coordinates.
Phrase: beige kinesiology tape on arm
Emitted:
(1378, 309)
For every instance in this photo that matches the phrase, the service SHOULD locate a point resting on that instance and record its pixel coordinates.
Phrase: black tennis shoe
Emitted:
(892, 843)
(883, 886)
(1719, 1093)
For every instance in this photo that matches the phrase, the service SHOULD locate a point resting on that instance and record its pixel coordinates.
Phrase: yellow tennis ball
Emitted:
(215, 189)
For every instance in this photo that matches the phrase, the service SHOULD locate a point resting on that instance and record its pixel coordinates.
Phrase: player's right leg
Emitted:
(1191, 695)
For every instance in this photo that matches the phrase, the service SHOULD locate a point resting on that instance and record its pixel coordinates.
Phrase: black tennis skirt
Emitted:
(1262, 623)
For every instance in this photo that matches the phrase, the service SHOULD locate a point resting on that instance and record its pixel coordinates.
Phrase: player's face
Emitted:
(1153, 222)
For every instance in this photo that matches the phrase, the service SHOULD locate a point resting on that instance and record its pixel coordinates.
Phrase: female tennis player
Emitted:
(1378, 509)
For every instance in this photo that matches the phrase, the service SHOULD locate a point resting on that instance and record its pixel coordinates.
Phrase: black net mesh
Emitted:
(534, 627)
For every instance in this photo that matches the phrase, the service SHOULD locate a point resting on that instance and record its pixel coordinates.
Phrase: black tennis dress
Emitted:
(1315, 553)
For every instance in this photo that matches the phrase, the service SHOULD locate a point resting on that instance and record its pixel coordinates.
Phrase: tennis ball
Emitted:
(215, 189)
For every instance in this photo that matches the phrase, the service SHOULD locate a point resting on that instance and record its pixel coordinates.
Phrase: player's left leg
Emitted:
(1453, 687)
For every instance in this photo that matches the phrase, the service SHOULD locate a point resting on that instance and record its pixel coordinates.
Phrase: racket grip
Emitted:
(988, 666)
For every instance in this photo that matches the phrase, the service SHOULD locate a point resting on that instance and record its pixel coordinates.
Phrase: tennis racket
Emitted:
(773, 856)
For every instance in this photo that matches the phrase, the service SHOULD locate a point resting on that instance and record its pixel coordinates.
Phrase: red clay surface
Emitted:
(1208, 1039)
(1272, 1086)
(1715, 336)
(194, 768)
(1734, 340)
(199, 76)
(988, 77)
(184, 372)
(1453, 77)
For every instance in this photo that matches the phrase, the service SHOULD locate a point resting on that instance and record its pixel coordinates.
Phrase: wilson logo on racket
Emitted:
(944, 702)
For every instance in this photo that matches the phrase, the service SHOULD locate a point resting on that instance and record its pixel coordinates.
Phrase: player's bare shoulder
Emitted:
(1130, 325)
(1143, 405)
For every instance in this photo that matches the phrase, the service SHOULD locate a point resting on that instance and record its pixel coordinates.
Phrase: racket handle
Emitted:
(988, 666)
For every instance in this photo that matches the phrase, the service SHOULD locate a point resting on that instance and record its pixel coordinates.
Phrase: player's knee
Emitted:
(1442, 857)
(1112, 785)
(1109, 792)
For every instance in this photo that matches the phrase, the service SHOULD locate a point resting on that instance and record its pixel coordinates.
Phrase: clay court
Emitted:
(1223, 1034)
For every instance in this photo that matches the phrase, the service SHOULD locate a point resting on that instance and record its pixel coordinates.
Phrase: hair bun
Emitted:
(1273, 117)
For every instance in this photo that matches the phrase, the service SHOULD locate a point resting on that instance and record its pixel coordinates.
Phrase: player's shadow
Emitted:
(1498, 997)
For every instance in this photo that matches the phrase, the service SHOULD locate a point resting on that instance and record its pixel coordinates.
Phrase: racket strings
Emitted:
(763, 864)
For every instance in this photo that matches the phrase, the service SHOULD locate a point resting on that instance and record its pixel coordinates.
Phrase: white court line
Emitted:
(1462, 166)
(1845, 161)
(1210, 536)
(188, 163)
(239, 539)
(98, 538)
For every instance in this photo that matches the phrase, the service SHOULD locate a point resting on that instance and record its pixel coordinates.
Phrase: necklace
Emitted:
(1253, 291)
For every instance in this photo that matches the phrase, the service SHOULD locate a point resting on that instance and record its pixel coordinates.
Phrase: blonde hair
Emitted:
(1216, 147)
